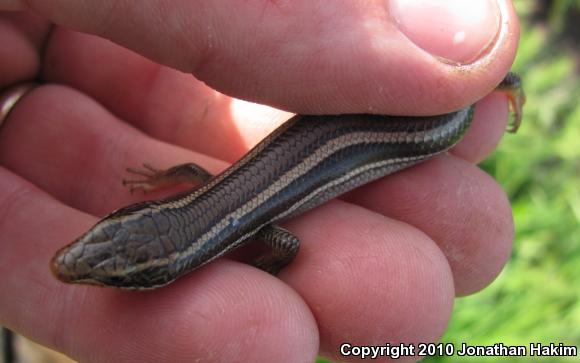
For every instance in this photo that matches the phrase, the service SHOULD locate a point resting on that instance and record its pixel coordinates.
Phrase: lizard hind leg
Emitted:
(284, 247)
(511, 85)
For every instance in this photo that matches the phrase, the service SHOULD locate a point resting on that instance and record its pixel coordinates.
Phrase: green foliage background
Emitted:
(537, 296)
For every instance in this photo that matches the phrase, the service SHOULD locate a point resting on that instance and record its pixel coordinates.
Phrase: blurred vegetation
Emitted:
(537, 296)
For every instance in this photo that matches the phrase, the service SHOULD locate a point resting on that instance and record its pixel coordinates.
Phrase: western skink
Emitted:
(305, 162)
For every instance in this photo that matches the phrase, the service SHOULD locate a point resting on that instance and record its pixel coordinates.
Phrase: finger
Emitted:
(458, 206)
(173, 107)
(93, 149)
(486, 130)
(22, 36)
(344, 58)
(369, 279)
(254, 313)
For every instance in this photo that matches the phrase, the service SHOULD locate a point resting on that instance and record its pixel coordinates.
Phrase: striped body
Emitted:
(305, 162)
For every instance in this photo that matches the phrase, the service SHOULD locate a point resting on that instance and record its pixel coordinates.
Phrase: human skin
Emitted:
(383, 263)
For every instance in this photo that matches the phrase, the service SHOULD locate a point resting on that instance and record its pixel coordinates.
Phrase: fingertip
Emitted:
(487, 129)
(490, 253)
(369, 278)
(459, 206)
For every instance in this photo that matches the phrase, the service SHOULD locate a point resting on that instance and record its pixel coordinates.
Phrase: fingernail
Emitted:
(459, 31)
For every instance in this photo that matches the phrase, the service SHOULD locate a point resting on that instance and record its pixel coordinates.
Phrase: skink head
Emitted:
(122, 251)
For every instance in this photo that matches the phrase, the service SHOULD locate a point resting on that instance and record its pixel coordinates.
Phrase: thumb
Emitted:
(395, 57)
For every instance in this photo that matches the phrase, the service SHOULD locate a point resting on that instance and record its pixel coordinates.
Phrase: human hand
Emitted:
(382, 264)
